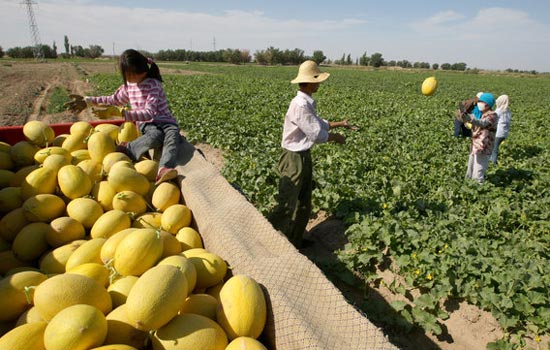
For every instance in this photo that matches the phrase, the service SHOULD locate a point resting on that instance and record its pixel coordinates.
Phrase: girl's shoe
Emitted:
(166, 174)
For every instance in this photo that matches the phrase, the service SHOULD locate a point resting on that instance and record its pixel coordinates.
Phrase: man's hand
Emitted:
(76, 105)
(107, 112)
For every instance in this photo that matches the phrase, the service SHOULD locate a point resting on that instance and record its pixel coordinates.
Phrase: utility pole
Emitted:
(37, 48)
(214, 43)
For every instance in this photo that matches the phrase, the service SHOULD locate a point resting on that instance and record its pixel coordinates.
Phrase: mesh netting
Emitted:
(305, 310)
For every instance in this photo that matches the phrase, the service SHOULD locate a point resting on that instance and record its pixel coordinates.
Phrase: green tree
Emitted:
(364, 59)
(446, 66)
(435, 66)
(1, 52)
(67, 45)
(318, 56)
(348, 60)
(376, 60)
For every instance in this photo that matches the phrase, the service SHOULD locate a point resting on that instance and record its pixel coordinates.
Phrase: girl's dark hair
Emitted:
(133, 61)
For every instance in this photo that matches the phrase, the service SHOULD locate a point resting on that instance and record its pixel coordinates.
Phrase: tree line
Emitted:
(269, 56)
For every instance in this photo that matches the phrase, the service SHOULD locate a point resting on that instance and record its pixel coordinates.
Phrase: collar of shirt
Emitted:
(306, 97)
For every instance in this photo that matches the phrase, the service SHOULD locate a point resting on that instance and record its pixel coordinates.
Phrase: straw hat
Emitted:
(309, 73)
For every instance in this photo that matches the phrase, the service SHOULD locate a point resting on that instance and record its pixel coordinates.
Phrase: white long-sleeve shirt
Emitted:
(504, 119)
(303, 127)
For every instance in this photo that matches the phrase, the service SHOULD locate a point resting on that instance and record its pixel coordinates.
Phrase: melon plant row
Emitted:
(94, 255)
(398, 183)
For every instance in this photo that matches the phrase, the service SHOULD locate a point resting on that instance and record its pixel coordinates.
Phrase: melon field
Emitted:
(398, 186)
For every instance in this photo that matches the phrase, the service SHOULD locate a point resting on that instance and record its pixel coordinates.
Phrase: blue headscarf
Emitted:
(486, 97)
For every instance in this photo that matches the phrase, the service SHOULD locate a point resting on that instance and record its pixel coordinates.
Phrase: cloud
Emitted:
(86, 23)
(444, 17)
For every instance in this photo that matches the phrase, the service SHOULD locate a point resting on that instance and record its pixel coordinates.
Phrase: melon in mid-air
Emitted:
(429, 86)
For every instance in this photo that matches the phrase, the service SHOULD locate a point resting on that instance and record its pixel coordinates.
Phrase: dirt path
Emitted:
(25, 89)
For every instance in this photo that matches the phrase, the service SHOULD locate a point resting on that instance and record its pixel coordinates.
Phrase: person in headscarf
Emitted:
(468, 106)
(503, 126)
(483, 137)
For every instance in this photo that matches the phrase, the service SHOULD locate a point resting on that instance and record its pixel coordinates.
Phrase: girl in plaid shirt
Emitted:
(142, 89)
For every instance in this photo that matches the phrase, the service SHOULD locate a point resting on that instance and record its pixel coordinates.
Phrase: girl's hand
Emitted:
(347, 125)
(77, 104)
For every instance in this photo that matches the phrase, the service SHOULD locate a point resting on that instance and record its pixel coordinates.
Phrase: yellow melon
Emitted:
(190, 331)
(25, 337)
(18, 177)
(215, 290)
(110, 223)
(211, 269)
(10, 199)
(138, 251)
(13, 297)
(64, 290)
(166, 194)
(80, 155)
(58, 140)
(11, 223)
(81, 128)
(122, 178)
(189, 238)
(104, 194)
(194, 252)
(43, 207)
(130, 202)
(8, 261)
(88, 252)
(29, 316)
(93, 169)
(85, 210)
(64, 230)
(171, 246)
(78, 327)
(116, 347)
(55, 161)
(112, 158)
(30, 243)
(245, 343)
(175, 217)
(429, 85)
(22, 153)
(109, 247)
(41, 155)
(120, 288)
(4, 147)
(6, 163)
(147, 167)
(73, 181)
(121, 331)
(54, 261)
(200, 304)
(96, 271)
(148, 220)
(38, 181)
(243, 309)
(109, 129)
(74, 142)
(38, 133)
(156, 297)
(127, 132)
(6, 178)
(185, 266)
(99, 145)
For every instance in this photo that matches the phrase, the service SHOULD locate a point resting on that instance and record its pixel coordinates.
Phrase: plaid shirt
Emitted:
(483, 133)
(147, 99)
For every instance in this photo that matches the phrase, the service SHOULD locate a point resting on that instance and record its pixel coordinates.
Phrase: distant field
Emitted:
(398, 184)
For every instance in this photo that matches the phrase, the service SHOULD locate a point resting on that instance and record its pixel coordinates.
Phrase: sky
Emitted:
(484, 34)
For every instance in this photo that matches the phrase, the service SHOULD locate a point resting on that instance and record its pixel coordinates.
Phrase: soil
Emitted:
(24, 92)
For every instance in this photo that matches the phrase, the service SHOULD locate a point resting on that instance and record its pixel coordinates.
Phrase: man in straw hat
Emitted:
(302, 129)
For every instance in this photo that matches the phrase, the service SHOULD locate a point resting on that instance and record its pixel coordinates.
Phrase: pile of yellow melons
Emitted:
(93, 255)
